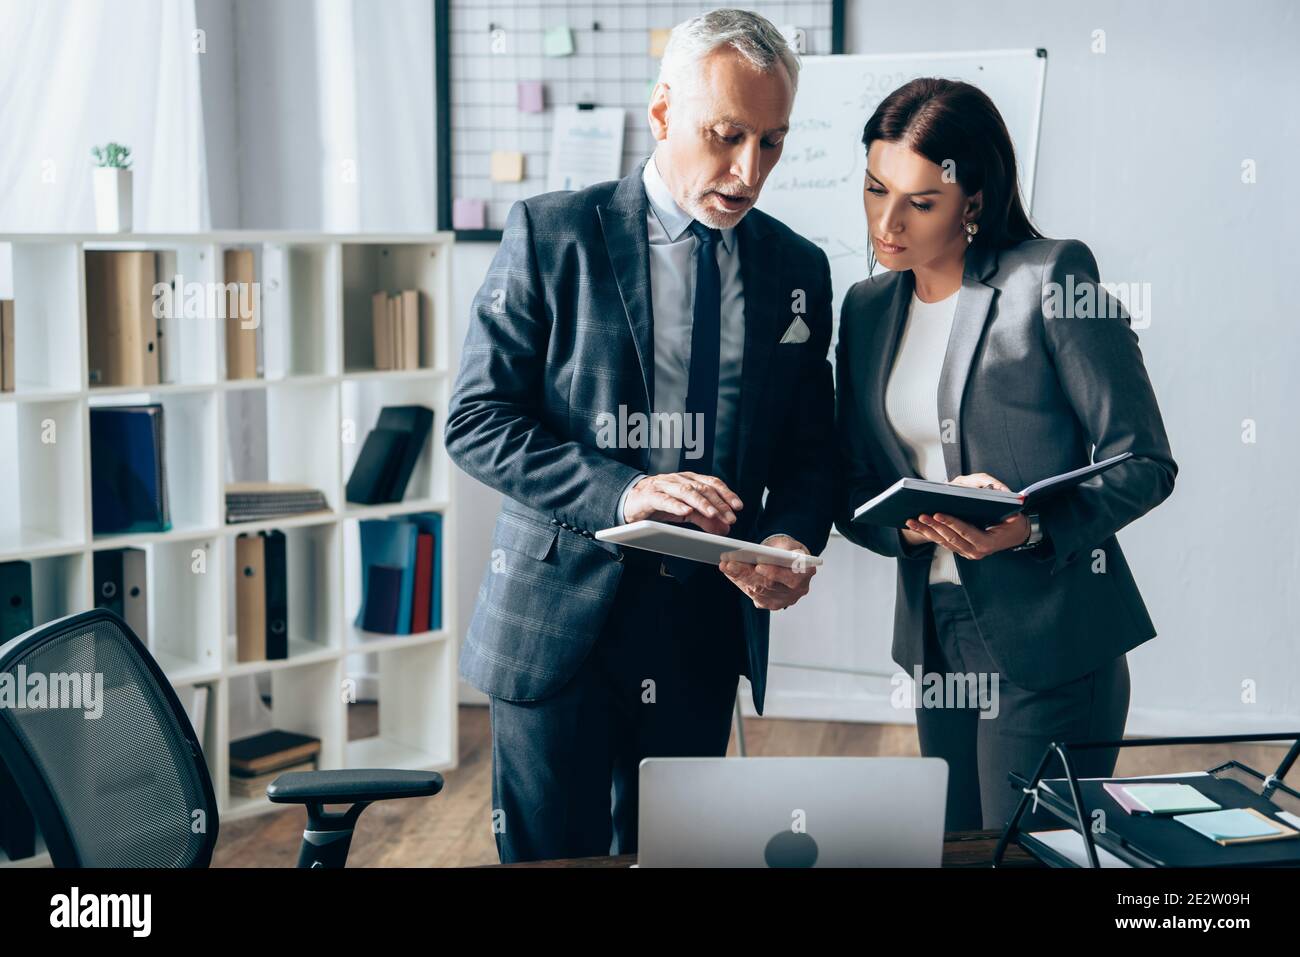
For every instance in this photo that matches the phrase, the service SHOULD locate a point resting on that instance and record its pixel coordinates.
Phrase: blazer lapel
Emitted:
(623, 223)
(967, 329)
(759, 275)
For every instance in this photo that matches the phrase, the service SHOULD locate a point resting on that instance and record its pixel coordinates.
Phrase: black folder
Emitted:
(108, 581)
(277, 595)
(415, 421)
(17, 825)
(376, 471)
(15, 599)
(909, 497)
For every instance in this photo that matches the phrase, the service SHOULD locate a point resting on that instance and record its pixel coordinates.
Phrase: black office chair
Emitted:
(131, 788)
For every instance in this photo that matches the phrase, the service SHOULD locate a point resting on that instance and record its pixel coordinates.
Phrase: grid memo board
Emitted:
(611, 65)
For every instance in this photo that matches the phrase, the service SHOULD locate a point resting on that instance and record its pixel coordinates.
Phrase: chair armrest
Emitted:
(351, 785)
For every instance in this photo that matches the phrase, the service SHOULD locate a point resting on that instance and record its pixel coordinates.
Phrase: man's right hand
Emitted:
(682, 497)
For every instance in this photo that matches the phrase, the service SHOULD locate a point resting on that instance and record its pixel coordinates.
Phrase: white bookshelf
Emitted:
(318, 397)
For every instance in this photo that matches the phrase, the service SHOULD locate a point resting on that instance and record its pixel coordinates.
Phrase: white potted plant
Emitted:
(112, 187)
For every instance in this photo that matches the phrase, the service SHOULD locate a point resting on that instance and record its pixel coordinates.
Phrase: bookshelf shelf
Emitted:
(306, 415)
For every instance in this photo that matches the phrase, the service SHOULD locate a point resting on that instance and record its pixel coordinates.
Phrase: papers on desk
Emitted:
(586, 147)
(1236, 825)
(1069, 844)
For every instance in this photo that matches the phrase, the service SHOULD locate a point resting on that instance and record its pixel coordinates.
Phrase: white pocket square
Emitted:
(798, 332)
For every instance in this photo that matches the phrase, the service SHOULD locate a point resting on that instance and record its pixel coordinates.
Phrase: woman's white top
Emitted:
(912, 401)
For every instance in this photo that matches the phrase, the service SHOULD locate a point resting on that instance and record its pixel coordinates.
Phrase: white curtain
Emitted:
(80, 73)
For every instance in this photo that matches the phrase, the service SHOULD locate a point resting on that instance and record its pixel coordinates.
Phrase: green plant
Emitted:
(112, 155)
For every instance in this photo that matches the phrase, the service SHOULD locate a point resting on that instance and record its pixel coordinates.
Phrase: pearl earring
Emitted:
(971, 230)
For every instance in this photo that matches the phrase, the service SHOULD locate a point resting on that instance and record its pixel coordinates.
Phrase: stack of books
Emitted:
(258, 760)
(7, 345)
(389, 454)
(396, 326)
(401, 574)
(128, 469)
(254, 501)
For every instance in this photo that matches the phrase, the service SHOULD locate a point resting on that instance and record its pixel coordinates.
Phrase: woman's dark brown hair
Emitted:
(947, 120)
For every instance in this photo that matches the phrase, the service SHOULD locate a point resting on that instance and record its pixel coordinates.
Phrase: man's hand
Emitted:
(772, 587)
(965, 539)
(682, 497)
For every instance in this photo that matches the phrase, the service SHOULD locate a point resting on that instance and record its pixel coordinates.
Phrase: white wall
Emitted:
(335, 112)
(1140, 156)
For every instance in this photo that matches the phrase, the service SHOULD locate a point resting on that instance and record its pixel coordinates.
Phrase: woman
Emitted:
(979, 360)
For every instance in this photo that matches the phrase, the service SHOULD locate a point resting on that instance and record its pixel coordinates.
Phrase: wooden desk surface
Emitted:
(960, 849)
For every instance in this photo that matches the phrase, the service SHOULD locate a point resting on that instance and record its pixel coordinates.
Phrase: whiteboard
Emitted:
(816, 188)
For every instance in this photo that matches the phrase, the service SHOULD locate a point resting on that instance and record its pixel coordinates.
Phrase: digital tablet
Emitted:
(690, 543)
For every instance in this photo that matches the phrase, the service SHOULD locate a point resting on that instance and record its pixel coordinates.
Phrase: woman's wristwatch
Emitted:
(1035, 533)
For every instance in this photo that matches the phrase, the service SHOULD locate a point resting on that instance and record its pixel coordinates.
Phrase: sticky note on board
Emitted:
(507, 167)
(558, 41)
(659, 41)
(530, 96)
(468, 214)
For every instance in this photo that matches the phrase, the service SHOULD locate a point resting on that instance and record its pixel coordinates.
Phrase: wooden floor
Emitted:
(453, 829)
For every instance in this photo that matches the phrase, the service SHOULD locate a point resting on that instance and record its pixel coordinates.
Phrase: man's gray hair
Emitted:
(751, 35)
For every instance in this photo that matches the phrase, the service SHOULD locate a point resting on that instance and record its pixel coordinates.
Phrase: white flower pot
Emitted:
(112, 199)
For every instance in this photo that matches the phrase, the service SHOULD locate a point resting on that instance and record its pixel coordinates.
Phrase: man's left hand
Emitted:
(771, 587)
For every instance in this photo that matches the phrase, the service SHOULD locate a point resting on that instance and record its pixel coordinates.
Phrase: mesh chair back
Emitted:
(106, 757)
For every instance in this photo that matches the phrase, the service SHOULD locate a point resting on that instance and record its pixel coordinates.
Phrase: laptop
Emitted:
(791, 812)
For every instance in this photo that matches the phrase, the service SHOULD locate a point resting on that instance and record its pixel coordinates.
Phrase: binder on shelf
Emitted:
(121, 330)
(241, 322)
(7, 354)
(15, 599)
(416, 421)
(1151, 840)
(389, 455)
(128, 469)
(391, 543)
(277, 595)
(135, 591)
(17, 824)
(383, 598)
(376, 468)
(250, 598)
(108, 581)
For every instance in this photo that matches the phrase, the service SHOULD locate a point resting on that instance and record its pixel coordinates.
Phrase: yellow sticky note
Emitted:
(507, 167)
(659, 41)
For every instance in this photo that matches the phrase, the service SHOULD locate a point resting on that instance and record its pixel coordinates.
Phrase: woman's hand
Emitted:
(965, 539)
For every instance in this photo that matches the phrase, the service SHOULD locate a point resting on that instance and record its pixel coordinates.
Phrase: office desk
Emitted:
(960, 849)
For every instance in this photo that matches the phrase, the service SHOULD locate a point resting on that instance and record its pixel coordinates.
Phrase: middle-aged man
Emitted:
(662, 297)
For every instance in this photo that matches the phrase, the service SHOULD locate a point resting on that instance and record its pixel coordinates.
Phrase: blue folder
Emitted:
(389, 542)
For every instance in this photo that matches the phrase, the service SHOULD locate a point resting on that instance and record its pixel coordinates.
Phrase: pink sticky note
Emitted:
(530, 96)
(468, 214)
